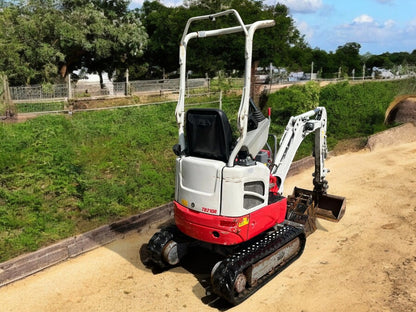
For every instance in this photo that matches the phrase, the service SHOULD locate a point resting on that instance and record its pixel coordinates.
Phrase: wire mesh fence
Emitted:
(57, 97)
(90, 89)
(165, 85)
(39, 92)
(54, 97)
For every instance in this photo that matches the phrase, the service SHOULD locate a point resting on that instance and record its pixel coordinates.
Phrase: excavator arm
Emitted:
(304, 206)
(296, 130)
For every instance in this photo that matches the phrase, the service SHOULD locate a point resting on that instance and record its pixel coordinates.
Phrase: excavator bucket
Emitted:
(328, 207)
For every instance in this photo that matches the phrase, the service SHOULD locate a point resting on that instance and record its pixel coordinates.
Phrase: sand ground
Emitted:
(366, 262)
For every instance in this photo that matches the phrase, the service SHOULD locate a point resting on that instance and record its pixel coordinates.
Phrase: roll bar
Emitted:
(248, 31)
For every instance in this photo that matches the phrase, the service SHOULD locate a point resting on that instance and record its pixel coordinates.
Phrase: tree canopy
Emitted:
(165, 27)
(47, 38)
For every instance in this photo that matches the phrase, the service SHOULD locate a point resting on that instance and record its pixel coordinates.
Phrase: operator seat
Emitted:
(208, 134)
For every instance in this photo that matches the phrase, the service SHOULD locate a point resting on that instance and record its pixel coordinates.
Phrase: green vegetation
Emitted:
(354, 110)
(39, 107)
(47, 39)
(63, 175)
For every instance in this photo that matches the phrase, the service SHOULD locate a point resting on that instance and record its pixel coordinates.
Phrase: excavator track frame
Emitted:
(230, 277)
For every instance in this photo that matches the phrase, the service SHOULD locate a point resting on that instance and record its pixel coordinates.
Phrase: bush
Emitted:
(354, 110)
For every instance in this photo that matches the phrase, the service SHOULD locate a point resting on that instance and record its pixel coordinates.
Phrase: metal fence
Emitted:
(165, 85)
(54, 97)
(94, 89)
(39, 92)
(53, 92)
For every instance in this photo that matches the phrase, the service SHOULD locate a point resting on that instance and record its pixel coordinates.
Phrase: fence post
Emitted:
(69, 87)
(127, 86)
(6, 99)
(208, 82)
(220, 99)
(2, 95)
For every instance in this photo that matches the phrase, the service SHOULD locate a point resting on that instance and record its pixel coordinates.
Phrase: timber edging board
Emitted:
(28, 264)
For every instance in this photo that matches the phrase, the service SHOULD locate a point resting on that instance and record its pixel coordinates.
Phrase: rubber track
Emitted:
(156, 245)
(159, 241)
(224, 276)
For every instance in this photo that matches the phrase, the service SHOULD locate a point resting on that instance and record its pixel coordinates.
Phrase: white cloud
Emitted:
(389, 23)
(412, 25)
(302, 6)
(364, 18)
(365, 30)
(409, 36)
(305, 29)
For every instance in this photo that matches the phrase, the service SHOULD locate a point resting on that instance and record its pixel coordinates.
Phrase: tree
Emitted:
(29, 49)
(348, 57)
(323, 62)
(412, 57)
(165, 26)
(42, 36)
(100, 35)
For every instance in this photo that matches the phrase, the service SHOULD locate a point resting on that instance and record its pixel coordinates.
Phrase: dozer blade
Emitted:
(328, 207)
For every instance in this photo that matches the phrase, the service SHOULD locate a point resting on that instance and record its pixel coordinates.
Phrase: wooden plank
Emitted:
(31, 263)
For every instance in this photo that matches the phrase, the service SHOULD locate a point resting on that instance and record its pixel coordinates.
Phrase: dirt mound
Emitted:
(395, 136)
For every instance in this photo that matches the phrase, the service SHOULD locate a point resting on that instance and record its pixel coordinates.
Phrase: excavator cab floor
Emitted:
(328, 207)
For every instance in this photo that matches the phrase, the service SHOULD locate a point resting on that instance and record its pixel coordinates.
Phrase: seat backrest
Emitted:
(208, 134)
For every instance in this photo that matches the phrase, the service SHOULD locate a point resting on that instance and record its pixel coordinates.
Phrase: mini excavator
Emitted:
(229, 193)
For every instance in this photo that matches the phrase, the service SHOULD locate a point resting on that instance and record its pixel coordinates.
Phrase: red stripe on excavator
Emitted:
(228, 230)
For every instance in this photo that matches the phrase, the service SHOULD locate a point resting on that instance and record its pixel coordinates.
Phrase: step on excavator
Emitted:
(229, 193)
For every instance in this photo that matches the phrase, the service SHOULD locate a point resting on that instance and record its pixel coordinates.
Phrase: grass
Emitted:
(39, 107)
(64, 175)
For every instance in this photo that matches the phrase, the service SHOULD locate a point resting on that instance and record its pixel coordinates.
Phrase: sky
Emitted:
(377, 25)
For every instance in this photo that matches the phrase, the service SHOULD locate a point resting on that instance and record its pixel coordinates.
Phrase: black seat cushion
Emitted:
(208, 134)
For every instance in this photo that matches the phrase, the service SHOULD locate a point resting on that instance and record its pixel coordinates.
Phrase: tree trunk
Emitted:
(100, 74)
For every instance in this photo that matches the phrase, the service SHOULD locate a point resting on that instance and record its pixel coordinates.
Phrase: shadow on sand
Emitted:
(198, 262)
